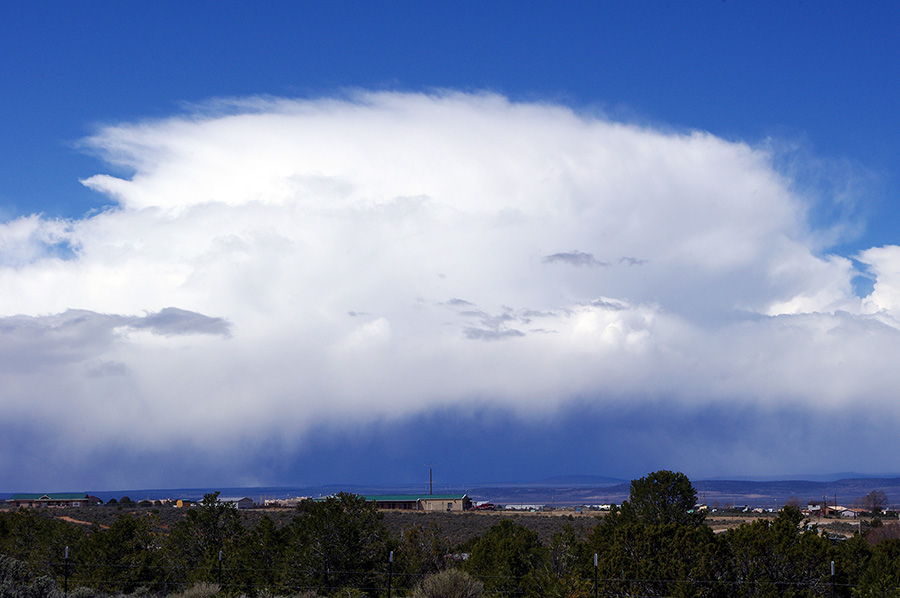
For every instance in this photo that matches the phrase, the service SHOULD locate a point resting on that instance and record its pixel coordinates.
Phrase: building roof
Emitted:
(52, 496)
(412, 497)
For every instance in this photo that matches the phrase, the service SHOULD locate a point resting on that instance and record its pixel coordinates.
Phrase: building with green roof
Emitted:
(59, 499)
(421, 502)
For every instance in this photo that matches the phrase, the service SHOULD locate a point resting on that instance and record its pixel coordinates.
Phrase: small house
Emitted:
(240, 502)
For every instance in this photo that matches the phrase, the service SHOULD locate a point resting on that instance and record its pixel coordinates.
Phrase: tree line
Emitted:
(654, 544)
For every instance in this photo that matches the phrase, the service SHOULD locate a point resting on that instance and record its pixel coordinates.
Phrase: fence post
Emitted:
(832, 579)
(66, 574)
(220, 569)
(390, 572)
(595, 576)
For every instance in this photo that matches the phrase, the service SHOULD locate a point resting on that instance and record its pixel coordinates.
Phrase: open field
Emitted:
(456, 528)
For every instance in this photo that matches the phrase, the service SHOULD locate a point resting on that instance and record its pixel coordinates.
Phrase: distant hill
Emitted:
(580, 480)
(844, 492)
(569, 490)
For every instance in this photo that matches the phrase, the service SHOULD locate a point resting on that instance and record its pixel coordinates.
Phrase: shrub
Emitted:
(17, 582)
(451, 583)
(200, 590)
(83, 592)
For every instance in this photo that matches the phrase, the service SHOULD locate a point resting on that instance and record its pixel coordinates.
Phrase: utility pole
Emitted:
(430, 466)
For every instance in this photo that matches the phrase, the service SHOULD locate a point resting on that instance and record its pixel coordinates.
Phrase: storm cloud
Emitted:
(342, 261)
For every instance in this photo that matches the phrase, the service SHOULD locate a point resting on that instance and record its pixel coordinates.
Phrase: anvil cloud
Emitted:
(267, 267)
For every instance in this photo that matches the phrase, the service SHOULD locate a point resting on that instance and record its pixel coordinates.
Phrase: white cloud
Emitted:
(376, 256)
(884, 265)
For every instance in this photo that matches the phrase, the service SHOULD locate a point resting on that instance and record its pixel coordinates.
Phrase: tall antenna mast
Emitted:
(430, 478)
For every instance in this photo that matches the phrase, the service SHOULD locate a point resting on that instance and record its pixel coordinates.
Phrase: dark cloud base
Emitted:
(467, 446)
(488, 445)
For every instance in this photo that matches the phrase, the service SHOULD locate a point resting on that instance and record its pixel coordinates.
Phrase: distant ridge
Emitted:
(844, 491)
(561, 481)
(567, 490)
(822, 477)
(580, 480)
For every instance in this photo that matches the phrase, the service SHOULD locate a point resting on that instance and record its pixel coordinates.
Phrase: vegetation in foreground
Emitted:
(654, 544)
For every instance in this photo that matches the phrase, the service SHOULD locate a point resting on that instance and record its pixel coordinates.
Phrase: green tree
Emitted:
(194, 543)
(123, 557)
(881, 576)
(422, 551)
(340, 541)
(661, 497)
(778, 558)
(506, 558)
(670, 559)
(852, 561)
(259, 560)
(39, 541)
(561, 573)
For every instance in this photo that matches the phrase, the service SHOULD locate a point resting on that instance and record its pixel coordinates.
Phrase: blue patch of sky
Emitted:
(864, 282)
(825, 73)
(62, 250)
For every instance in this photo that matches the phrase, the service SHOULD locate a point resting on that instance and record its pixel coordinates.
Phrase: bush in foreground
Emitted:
(451, 583)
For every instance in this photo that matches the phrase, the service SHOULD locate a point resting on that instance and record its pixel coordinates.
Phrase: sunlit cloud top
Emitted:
(283, 263)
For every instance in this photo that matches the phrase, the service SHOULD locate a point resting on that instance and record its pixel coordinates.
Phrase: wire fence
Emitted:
(168, 579)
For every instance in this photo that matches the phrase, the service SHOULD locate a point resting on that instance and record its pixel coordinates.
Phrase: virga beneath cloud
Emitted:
(304, 261)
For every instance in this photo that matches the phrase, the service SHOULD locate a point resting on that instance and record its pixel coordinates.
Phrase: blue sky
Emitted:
(337, 242)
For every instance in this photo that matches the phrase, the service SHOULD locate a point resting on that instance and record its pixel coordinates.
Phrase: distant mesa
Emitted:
(581, 480)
